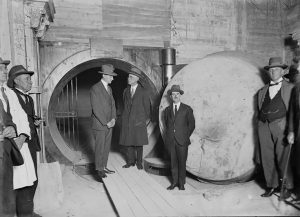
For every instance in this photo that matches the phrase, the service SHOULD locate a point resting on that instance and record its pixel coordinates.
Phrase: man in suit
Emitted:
(19, 80)
(294, 118)
(180, 124)
(7, 132)
(103, 119)
(135, 116)
(273, 105)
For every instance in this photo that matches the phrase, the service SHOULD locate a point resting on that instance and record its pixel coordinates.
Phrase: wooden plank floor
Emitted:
(135, 194)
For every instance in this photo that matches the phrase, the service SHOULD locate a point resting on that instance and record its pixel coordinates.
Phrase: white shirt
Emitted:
(105, 84)
(273, 90)
(177, 104)
(132, 89)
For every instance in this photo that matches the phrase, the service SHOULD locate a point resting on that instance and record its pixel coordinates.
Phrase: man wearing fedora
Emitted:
(19, 80)
(103, 119)
(273, 105)
(135, 116)
(180, 124)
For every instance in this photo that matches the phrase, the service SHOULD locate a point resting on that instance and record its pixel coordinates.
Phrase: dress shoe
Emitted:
(268, 192)
(139, 166)
(181, 187)
(128, 165)
(101, 174)
(108, 171)
(286, 194)
(171, 187)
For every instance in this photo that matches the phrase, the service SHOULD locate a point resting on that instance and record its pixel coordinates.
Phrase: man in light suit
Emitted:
(180, 124)
(103, 119)
(273, 105)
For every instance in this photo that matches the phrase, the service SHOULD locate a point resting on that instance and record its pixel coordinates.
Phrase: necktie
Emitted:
(4, 97)
(131, 92)
(175, 109)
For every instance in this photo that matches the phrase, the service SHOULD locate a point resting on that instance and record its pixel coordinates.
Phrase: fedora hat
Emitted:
(275, 62)
(4, 62)
(175, 88)
(135, 71)
(108, 69)
(14, 72)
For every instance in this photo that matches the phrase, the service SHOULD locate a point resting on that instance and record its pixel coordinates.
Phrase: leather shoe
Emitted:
(171, 187)
(128, 165)
(181, 187)
(139, 166)
(286, 194)
(268, 193)
(101, 174)
(108, 171)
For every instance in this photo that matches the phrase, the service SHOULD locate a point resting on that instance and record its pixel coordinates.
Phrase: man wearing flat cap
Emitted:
(103, 119)
(19, 80)
(180, 124)
(135, 116)
(273, 105)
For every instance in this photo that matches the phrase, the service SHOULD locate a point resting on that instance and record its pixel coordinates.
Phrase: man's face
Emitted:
(108, 78)
(276, 73)
(3, 73)
(132, 79)
(175, 96)
(23, 82)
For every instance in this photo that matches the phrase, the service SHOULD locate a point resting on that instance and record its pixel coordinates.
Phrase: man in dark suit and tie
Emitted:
(180, 124)
(103, 119)
(7, 132)
(273, 105)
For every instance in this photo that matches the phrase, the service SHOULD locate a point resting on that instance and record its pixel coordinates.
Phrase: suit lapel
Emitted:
(262, 95)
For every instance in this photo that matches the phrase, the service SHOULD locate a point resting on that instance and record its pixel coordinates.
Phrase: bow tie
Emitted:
(275, 84)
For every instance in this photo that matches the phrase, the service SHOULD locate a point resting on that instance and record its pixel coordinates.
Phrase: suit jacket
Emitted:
(34, 142)
(294, 113)
(103, 106)
(180, 126)
(135, 114)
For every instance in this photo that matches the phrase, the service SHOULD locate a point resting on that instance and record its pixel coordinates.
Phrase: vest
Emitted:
(272, 109)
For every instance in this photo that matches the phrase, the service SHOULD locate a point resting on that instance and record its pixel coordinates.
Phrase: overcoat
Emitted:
(181, 127)
(135, 114)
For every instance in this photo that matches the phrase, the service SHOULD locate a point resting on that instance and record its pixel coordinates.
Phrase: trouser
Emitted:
(274, 152)
(134, 154)
(102, 147)
(7, 194)
(25, 196)
(178, 163)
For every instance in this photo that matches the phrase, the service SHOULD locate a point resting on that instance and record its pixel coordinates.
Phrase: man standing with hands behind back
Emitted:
(180, 124)
(103, 119)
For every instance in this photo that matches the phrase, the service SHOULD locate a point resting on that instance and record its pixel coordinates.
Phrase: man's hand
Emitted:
(38, 122)
(20, 141)
(9, 132)
(291, 138)
(111, 123)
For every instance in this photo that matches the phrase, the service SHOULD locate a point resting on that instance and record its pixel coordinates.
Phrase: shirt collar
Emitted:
(104, 83)
(178, 104)
(273, 82)
(134, 86)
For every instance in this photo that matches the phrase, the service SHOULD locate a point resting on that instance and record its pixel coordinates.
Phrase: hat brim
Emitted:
(5, 62)
(171, 91)
(136, 74)
(273, 66)
(108, 73)
(10, 81)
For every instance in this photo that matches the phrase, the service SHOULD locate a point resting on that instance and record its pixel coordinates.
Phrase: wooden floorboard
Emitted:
(135, 193)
